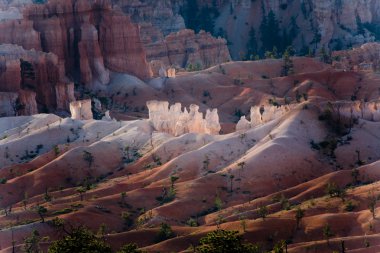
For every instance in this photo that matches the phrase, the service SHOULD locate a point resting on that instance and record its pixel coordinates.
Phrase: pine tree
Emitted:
(270, 30)
(252, 44)
(360, 25)
(288, 67)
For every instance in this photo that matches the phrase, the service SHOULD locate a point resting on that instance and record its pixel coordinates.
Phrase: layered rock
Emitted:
(311, 23)
(162, 14)
(174, 121)
(347, 110)
(186, 49)
(365, 57)
(262, 114)
(36, 78)
(8, 102)
(87, 36)
(81, 110)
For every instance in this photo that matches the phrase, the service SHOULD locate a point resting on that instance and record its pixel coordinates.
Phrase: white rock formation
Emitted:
(174, 121)
(81, 110)
(243, 124)
(167, 72)
(107, 116)
(171, 72)
(261, 115)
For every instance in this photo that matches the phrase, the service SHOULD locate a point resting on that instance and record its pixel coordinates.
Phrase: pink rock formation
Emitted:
(186, 48)
(36, 78)
(87, 30)
(365, 57)
(81, 110)
(174, 121)
(354, 110)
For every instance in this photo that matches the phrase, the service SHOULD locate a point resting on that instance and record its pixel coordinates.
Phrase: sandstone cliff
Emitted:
(347, 110)
(36, 78)
(88, 37)
(187, 49)
(163, 15)
(365, 57)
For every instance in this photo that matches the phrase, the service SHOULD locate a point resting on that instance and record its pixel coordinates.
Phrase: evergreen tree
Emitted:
(252, 44)
(190, 14)
(288, 67)
(223, 241)
(360, 25)
(325, 55)
(80, 240)
(270, 30)
(32, 243)
(206, 16)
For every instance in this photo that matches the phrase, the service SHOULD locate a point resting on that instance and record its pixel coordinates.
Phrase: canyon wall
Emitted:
(307, 23)
(187, 49)
(36, 78)
(365, 57)
(163, 34)
(174, 121)
(88, 37)
(81, 40)
(163, 14)
(345, 110)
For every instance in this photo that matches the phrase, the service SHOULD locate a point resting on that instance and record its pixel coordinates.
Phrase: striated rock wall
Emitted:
(162, 14)
(312, 23)
(185, 48)
(7, 103)
(174, 121)
(37, 79)
(81, 110)
(365, 57)
(262, 114)
(88, 38)
(355, 110)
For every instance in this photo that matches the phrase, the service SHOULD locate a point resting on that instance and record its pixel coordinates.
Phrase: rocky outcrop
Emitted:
(163, 14)
(37, 79)
(310, 23)
(82, 40)
(187, 49)
(7, 103)
(174, 121)
(167, 72)
(81, 110)
(347, 110)
(365, 57)
(88, 38)
(262, 114)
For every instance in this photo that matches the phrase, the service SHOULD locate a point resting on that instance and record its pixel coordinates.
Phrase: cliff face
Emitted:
(365, 57)
(87, 36)
(163, 14)
(90, 36)
(331, 23)
(37, 80)
(165, 38)
(82, 41)
(185, 48)
(306, 23)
